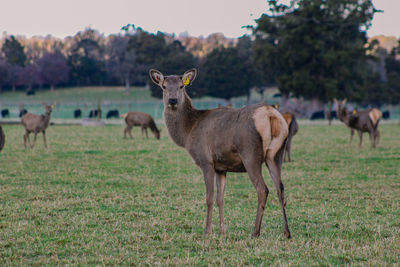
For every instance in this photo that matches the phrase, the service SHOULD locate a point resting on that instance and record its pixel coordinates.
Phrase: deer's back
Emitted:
(33, 122)
(225, 136)
(366, 119)
(138, 118)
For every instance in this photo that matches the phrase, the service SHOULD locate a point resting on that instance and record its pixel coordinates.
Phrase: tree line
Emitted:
(314, 49)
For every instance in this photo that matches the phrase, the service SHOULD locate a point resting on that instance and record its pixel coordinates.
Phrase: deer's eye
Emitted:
(181, 86)
(164, 87)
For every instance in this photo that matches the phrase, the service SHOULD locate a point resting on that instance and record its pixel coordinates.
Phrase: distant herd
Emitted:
(219, 140)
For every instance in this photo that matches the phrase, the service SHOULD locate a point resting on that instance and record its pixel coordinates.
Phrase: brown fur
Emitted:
(362, 121)
(36, 124)
(293, 129)
(226, 140)
(375, 115)
(2, 138)
(141, 119)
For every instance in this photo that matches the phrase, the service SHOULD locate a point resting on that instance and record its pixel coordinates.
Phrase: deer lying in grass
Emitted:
(362, 121)
(36, 124)
(141, 119)
(2, 138)
(293, 129)
(225, 140)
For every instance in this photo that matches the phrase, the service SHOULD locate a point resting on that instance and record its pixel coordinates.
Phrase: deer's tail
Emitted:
(272, 128)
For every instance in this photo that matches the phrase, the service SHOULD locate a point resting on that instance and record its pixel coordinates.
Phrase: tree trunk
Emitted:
(13, 88)
(127, 86)
(330, 112)
(52, 87)
(248, 96)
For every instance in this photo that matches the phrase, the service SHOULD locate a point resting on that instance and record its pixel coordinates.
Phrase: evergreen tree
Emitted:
(225, 75)
(14, 52)
(315, 48)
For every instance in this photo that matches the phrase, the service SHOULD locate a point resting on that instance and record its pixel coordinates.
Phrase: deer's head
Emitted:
(48, 108)
(341, 111)
(173, 86)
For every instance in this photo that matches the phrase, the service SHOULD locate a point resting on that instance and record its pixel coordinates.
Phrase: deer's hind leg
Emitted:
(253, 165)
(274, 164)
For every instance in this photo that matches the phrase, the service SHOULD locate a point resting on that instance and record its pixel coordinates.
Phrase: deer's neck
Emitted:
(181, 121)
(345, 118)
(46, 119)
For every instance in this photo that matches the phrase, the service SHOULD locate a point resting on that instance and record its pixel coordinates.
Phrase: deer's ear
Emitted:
(335, 100)
(156, 76)
(344, 101)
(189, 76)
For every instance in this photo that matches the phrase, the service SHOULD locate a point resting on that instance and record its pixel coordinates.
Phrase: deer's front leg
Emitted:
(209, 174)
(351, 136)
(221, 181)
(360, 134)
(44, 139)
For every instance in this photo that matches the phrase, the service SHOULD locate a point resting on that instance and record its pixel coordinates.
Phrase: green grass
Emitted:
(87, 98)
(93, 198)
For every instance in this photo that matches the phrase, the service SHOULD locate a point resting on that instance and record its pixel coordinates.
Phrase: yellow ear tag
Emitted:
(354, 112)
(187, 82)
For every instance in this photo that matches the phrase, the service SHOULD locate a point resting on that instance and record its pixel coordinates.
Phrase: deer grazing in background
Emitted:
(291, 121)
(2, 138)
(362, 121)
(225, 140)
(141, 119)
(36, 124)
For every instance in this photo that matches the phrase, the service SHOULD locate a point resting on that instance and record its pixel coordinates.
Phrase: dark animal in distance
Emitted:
(22, 112)
(225, 140)
(318, 115)
(30, 92)
(77, 113)
(362, 121)
(36, 124)
(141, 119)
(114, 113)
(2, 138)
(5, 113)
(95, 113)
(386, 115)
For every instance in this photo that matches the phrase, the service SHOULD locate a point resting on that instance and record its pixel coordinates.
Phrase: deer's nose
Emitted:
(173, 101)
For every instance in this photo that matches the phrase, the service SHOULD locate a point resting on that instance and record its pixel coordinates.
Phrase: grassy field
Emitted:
(94, 198)
(87, 98)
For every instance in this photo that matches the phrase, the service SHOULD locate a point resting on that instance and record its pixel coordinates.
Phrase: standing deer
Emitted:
(2, 138)
(141, 119)
(293, 129)
(36, 124)
(225, 140)
(362, 121)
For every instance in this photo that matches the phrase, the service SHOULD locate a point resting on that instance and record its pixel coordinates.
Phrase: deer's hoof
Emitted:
(255, 234)
(287, 234)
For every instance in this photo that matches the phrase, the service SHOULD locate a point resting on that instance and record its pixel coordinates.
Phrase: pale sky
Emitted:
(197, 17)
